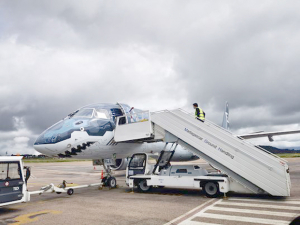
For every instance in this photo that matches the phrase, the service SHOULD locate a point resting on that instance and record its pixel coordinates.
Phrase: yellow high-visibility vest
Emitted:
(201, 114)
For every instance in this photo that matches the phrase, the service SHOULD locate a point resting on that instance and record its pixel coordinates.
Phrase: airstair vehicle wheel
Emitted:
(70, 191)
(142, 186)
(211, 189)
(112, 182)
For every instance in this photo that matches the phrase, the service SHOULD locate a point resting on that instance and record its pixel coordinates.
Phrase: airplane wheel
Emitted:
(70, 191)
(211, 189)
(142, 186)
(112, 182)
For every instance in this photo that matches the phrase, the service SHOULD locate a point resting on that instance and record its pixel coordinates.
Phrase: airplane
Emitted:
(88, 133)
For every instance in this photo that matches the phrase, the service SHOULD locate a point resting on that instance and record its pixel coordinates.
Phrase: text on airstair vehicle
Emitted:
(226, 153)
(193, 134)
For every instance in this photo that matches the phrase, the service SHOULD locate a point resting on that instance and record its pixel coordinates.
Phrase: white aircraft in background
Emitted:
(225, 125)
(88, 133)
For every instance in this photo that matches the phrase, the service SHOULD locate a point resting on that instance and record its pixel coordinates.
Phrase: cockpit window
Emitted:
(84, 113)
(101, 114)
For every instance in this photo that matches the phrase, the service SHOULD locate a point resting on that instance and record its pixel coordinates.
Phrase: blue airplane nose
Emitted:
(56, 133)
(51, 141)
(53, 138)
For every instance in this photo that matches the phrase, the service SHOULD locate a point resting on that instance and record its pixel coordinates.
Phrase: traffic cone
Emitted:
(94, 167)
(102, 174)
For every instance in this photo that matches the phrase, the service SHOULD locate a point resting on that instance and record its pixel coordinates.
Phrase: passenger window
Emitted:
(3, 171)
(181, 171)
(13, 171)
(9, 171)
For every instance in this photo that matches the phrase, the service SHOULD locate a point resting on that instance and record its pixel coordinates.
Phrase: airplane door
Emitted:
(132, 126)
(126, 110)
(11, 182)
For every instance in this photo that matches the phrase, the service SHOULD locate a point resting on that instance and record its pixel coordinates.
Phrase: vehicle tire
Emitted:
(211, 189)
(58, 193)
(112, 182)
(161, 186)
(143, 187)
(70, 191)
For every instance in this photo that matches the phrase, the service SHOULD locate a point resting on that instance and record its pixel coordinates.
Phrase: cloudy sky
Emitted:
(59, 55)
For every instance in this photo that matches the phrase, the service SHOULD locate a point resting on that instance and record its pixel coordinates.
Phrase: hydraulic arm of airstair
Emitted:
(251, 166)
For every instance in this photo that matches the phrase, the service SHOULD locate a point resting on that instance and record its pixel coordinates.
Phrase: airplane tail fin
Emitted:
(225, 123)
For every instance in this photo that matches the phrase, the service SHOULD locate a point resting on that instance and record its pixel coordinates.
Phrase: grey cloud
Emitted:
(56, 56)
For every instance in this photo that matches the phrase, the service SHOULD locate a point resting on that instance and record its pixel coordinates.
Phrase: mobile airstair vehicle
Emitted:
(146, 170)
(246, 167)
(13, 182)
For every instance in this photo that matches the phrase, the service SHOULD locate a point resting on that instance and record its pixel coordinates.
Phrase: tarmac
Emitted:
(160, 206)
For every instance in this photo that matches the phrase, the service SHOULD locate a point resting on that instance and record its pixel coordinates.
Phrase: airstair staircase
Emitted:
(253, 167)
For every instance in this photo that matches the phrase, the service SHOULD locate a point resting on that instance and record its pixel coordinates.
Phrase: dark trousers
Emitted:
(200, 120)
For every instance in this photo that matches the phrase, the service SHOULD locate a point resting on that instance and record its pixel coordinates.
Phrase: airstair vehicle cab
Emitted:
(247, 168)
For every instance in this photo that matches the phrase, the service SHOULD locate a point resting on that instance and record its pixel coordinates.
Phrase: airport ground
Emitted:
(121, 206)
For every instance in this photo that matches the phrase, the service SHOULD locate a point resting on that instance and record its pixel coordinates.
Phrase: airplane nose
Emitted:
(52, 135)
(53, 139)
(50, 141)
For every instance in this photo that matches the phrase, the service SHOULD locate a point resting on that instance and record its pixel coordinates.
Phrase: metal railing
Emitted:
(130, 118)
(226, 132)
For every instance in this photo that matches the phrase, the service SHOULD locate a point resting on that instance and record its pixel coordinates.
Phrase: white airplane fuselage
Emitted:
(89, 134)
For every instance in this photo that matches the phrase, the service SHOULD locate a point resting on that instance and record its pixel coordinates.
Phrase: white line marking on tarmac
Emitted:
(245, 219)
(259, 206)
(260, 212)
(267, 201)
(189, 212)
(224, 205)
(189, 222)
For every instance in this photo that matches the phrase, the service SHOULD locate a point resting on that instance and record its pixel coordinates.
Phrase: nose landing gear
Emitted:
(108, 180)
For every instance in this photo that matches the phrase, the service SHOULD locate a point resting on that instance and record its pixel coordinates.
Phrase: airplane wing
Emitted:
(268, 134)
(225, 125)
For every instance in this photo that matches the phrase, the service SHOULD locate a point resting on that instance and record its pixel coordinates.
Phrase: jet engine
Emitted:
(121, 164)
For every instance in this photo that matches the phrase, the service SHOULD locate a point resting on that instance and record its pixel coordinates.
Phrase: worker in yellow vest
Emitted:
(199, 113)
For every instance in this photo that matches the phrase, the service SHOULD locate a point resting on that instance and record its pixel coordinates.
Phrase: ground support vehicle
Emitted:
(13, 182)
(248, 168)
(146, 171)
